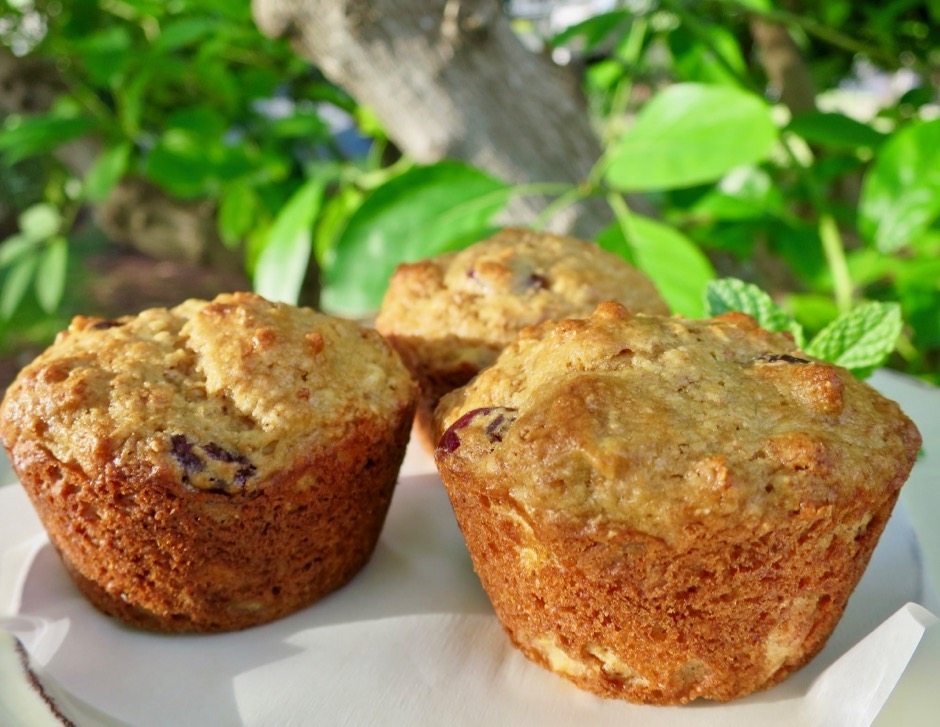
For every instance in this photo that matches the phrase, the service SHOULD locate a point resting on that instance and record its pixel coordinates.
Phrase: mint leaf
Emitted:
(731, 294)
(861, 339)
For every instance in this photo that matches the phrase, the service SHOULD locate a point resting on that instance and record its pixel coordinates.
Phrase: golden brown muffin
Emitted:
(663, 509)
(450, 316)
(213, 466)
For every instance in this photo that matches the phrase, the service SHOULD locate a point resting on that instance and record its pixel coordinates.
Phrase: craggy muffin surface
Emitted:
(213, 465)
(451, 315)
(663, 509)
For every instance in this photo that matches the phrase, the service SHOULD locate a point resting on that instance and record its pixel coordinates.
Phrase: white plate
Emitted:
(412, 640)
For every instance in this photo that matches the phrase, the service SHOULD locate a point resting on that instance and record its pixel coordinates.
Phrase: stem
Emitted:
(832, 243)
(834, 250)
(630, 57)
(567, 198)
(698, 30)
(624, 217)
(823, 32)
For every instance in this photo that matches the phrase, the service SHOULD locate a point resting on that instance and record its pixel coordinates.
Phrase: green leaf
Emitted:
(901, 194)
(695, 59)
(40, 221)
(691, 134)
(105, 55)
(860, 339)
(106, 172)
(15, 285)
(675, 264)
(594, 31)
(835, 131)
(282, 264)
(301, 125)
(181, 33)
(237, 212)
(812, 310)
(745, 193)
(200, 121)
(50, 274)
(26, 136)
(420, 213)
(14, 248)
(179, 163)
(731, 294)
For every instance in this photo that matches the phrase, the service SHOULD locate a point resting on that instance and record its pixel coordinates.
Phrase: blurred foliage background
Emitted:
(795, 145)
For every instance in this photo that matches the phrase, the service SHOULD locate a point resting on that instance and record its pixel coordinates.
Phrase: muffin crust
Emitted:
(664, 509)
(211, 466)
(450, 316)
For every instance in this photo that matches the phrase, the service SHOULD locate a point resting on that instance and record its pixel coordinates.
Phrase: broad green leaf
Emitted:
(592, 32)
(282, 264)
(179, 163)
(744, 193)
(40, 222)
(106, 172)
(50, 274)
(16, 247)
(301, 125)
(420, 213)
(674, 263)
(867, 265)
(836, 131)
(130, 99)
(26, 136)
(691, 134)
(201, 121)
(901, 194)
(731, 294)
(333, 219)
(105, 55)
(860, 339)
(15, 284)
(180, 33)
(237, 212)
(695, 59)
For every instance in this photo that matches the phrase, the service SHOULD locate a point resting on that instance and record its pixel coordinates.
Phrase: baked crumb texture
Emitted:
(213, 466)
(450, 316)
(664, 509)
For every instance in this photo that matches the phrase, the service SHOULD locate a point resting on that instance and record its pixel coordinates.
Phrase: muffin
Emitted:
(450, 316)
(212, 466)
(664, 509)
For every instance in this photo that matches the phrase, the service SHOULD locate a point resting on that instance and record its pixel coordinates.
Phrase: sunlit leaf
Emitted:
(282, 264)
(16, 284)
(107, 171)
(690, 134)
(422, 212)
(24, 136)
(40, 221)
(836, 131)
(901, 194)
(51, 274)
(674, 263)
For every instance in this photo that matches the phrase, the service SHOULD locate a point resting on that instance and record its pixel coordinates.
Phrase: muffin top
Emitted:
(661, 424)
(481, 297)
(227, 391)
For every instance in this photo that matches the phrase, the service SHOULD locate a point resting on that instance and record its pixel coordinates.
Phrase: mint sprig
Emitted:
(859, 340)
(731, 294)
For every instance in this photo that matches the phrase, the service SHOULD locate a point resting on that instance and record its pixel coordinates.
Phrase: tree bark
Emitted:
(449, 79)
(787, 73)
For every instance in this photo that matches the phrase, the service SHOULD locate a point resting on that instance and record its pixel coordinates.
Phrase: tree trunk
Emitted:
(449, 79)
